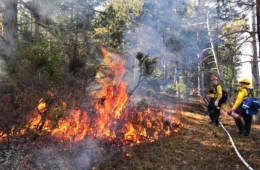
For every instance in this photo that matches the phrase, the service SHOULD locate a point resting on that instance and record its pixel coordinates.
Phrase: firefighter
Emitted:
(214, 105)
(244, 128)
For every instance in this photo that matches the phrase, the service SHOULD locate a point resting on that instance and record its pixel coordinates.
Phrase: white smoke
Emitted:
(82, 155)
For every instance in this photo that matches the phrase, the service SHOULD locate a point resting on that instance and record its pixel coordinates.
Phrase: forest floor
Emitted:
(197, 146)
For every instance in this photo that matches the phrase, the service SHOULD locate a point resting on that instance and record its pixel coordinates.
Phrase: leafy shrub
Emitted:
(171, 89)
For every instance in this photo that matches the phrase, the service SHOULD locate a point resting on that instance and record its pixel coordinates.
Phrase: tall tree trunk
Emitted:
(200, 64)
(200, 70)
(200, 77)
(164, 71)
(258, 20)
(255, 67)
(213, 48)
(177, 79)
(9, 40)
(233, 75)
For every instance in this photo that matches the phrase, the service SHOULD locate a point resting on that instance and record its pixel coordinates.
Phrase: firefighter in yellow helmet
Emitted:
(244, 128)
(214, 105)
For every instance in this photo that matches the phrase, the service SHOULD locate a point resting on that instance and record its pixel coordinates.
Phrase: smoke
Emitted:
(63, 8)
(47, 8)
(145, 39)
(83, 155)
(163, 30)
(158, 21)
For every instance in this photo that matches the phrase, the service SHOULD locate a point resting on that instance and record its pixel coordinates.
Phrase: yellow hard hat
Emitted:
(245, 80)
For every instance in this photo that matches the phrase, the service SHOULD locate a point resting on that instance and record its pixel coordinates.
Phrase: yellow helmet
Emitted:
(245, 80)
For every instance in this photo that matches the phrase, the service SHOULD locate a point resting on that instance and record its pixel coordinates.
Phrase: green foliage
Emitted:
(192, 8)
(38, 69)
(157, 74)
(229, 50)
(114, 20)
(127, 10)
(42, 59)
(155, 79)
(108, 28)
(146, 65)
(170, 88)
(182, 86)
(146, 68)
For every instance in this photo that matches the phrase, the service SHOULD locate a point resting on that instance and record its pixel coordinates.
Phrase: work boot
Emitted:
(216, 122)
(240, 132)
(246, 134)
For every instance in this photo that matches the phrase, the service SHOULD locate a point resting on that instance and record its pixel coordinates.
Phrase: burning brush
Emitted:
(111, 118)
(171, 125)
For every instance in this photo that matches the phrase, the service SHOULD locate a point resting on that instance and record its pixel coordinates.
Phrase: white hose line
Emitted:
(234, 146)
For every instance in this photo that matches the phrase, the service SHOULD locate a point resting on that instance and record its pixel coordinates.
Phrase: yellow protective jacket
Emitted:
(216, 92)
(242, 95)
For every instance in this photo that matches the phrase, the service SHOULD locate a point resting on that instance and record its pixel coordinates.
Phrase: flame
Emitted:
(113, 119)
(112, 96)
(75, 127)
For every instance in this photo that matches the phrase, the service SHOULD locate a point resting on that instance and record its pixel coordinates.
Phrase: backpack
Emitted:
(224, 97)
(251, 104)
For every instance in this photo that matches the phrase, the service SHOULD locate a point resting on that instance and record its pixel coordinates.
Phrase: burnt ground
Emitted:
(198, 145)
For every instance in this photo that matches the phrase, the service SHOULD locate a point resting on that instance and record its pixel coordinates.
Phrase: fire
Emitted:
(75, 127)
(113, 118)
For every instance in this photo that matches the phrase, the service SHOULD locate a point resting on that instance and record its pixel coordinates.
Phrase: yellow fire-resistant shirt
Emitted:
(242, 95)
(217, 92)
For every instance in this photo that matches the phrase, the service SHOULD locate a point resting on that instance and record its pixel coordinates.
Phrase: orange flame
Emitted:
(112, 96)
(112, 119)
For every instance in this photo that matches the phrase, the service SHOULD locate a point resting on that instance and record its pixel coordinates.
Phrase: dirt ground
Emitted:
(197, 146)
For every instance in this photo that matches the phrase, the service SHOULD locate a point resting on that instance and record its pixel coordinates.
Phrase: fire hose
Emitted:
(232, 142)
(234, 146)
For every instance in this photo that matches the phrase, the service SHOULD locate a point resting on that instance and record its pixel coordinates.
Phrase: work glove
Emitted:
(216, 103)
